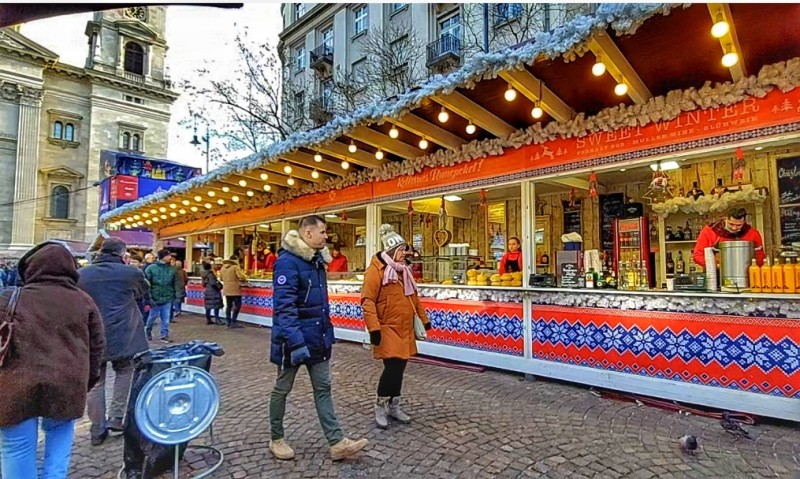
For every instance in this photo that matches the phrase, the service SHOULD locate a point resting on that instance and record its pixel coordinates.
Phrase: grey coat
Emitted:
(115, 288)
(212, 294)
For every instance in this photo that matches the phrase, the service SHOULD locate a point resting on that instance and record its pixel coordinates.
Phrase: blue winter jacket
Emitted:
(301, 315)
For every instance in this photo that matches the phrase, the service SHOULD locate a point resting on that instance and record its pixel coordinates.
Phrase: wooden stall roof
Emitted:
(668, 52)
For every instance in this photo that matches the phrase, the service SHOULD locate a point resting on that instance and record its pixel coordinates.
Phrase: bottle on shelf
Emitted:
(623, 276)
(670, 264)
(797, 274)
(719, 190)
(679, 234)
(755, 277)
(653, 230)
(670, 236)
(766, 277)
(644, 283)
(581, 279)
(687, 230)
(633, 276)
(789, 285)
(590, 279)
(695, 192)
(777, 276)
(680, 265)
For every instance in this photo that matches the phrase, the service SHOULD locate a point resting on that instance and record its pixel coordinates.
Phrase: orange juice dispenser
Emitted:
(632, 246)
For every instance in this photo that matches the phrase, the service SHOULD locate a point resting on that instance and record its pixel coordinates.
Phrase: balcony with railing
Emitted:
(446, 51)
(321, 110)
(134, 77)
(321, 58)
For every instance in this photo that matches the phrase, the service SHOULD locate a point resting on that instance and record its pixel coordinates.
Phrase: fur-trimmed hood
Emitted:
(294, 244)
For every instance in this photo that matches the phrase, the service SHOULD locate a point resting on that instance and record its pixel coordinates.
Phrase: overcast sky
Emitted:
(195, 35)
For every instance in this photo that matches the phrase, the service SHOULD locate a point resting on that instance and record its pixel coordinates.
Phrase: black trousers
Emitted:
(391, 381)
(235, 304)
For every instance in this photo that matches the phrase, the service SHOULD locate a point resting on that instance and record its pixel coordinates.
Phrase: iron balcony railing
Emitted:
(447, 47)
(322, 54)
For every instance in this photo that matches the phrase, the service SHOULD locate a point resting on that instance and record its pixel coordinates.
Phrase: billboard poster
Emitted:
(132, 164)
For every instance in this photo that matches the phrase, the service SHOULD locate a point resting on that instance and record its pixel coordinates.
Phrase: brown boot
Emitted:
(281, 450)
(346, 448)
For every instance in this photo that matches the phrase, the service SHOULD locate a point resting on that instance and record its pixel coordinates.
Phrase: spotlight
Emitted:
(198, 198)
(211, 194)
(730, 59)
(185, 202)
(208, 206)
(720, 28)
(225, 189)
(220, 202)
(162, 209)
(194, 209)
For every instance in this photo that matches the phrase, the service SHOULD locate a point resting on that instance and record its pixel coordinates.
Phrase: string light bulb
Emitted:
(137, 217)
(598, 68)
(208, 206)
(264, 176)
(471, 128)
(352, 148)
(394, 132)
(162, 209)
(220, 202)
(250, 193)
(198, 198)
(443, 116)
(423, 143)
(510, 94)
(242, 183)
(720, 27)
(185, 202)
(379, 154)
(345, 165)
(318, 158)
(621, 88)
(290, 181)
(145, 215)
(173, 214)
(182, 211)
(537, 111)
(155, 219)
(163, 217)
(153, 211)
(287, 169)
(194, 209)
(212, 194)
(267, 187)
(235, 199)
(149, 222)
(225, 189)
(730, 58)
(315, 174)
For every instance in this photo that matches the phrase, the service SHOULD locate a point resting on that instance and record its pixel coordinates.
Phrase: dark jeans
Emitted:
(232, 303)
(391, 382)
(208, 314)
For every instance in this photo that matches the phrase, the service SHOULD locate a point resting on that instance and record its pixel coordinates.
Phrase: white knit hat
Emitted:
(390, 239)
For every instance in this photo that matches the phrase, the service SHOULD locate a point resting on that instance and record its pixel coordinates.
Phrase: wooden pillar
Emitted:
(373, 224)
(227, 247)
(528, 192)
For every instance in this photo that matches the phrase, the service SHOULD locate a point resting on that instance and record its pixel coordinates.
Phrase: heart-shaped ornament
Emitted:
(442, 237)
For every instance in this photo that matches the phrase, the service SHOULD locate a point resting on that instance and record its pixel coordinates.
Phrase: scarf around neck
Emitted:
(390, 274)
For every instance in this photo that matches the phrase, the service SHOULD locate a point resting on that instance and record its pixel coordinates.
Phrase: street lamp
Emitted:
(206, 139)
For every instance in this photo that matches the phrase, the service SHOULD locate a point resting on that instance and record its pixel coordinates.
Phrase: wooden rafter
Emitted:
(527, 84)
(386, 143)
(298, 171)
(603, 47)
(339, 150)
(729, 41)
(463, 106)
(326, 165)
(435, 133)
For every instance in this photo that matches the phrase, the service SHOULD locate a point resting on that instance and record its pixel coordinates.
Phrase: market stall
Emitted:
(601, 189)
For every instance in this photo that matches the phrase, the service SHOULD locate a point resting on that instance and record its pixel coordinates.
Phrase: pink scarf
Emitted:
(390, 274)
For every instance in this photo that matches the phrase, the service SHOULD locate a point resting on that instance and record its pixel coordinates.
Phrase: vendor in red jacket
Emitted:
(732, 228)
(512, 260)
(269, 258)
(339, 263)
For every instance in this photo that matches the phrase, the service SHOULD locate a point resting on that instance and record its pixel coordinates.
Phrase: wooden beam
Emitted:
(527, 84)
(337, 149)
(326, 165)
(603, 47)
(455, 209)
(385, 142)
(729, 41)
(273, 179)
(435, 133)
(463, 106)
(577, 183)
(298, 171)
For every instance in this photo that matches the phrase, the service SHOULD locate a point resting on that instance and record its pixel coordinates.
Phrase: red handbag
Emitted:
(7, 325)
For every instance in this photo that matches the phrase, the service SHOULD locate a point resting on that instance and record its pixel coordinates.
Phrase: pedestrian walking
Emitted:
(163, 290)
(115, 288)
(389, 282)
(49, 359)
(232, 278)
(302, 334)
(212, 294)
(183, 279)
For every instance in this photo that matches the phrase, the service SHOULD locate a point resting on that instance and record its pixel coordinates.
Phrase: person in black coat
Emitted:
(115, 288)
(212, 294)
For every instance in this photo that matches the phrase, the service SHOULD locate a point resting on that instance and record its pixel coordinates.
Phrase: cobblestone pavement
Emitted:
(465, 424)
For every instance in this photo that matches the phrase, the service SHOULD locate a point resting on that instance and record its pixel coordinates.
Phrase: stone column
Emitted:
(24, 216)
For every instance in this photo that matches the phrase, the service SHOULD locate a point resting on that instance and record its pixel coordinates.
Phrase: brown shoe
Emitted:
(346, 448)
(281, 450)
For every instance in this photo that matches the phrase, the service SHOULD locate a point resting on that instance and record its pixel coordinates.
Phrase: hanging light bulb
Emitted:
(185, 202)
(598, 68)
(621, 88)
(172, 206)
(510, 94)
(220, 202)
(162, 209)
(720, 28)
(163, 217)
(212, 194)
(225, 189)
(235, 199)
(145, 215)
(198, 198)
(148, 222)
(155, 219)
(208, 206)
(242, 183)
(136, 217)
(290, 181)
(318, 158)
(250, 193)
(423, 143)
(173, 214)
(394, 132)
(379, 154)
(153, 211)
(443, 116)
(352, 148)
(287, 169)
(471, 128)
(537, 111)
(182, 211)
(267, 187)
(345, 165)
(315, 174)
(264, 176)
(730, 58)
(194, 209)
(123, 220)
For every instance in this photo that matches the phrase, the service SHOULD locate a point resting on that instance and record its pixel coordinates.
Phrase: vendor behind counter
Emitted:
(733, 228)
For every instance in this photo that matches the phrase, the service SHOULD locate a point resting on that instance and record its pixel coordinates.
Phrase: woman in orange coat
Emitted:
(389, 301)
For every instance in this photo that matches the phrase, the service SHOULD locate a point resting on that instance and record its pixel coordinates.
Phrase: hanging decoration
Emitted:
(573, 198)
(344, 216)
(659, 189)
(483, 199)
(593, 185)
(442, 236)
(410, 209)
(739, 167)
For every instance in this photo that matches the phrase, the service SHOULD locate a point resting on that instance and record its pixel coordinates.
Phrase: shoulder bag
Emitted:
(7, 325)
(419, 328)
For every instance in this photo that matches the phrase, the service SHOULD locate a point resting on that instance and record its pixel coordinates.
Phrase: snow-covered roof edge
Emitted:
(562, 41)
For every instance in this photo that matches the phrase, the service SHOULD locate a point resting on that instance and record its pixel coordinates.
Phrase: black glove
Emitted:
(428, 325)
(375, 337)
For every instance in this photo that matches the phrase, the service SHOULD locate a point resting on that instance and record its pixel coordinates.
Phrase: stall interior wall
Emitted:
(356, 255)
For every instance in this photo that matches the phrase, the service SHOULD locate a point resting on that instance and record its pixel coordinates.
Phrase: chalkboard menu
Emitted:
(789, 181)
(572, 217)
(790, 224)
(610, 209)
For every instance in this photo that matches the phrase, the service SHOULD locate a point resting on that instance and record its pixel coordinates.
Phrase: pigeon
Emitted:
(732, 426)
(689, 444)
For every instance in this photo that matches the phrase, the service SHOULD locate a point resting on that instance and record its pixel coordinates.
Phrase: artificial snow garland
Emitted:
(709, 204)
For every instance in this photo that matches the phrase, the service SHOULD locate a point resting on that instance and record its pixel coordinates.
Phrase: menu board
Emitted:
(572, 217)
(568, 275)
(789, 181)
(790, 224)
(610, 209)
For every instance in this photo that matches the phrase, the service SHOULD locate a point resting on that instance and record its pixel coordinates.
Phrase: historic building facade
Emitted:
(55, 119)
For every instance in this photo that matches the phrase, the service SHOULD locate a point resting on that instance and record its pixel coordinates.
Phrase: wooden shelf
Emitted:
(681, 242)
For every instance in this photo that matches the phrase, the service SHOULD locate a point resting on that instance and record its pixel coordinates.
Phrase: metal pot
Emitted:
(734, 260)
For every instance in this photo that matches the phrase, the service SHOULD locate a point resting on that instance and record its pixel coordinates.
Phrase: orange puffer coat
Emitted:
(387, 309)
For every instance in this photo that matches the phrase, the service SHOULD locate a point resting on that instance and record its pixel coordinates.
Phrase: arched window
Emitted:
(57, 129)
(59, 202)
(126, 140)
(134, 58)
(135, 146)
(69, 132)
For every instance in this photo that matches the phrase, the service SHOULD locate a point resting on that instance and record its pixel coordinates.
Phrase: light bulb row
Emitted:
(510, 95)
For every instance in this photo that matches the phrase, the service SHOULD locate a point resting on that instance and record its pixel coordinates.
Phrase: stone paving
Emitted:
(465, 424)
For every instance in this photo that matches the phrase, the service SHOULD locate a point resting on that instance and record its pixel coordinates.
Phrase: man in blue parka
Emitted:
(302, 333)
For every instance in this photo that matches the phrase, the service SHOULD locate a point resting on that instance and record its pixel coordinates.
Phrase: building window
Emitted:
(360, 17)
(69, 132)
(58, 128)
(396, 7)
(126, 140)
(327, 37)
(299, 10)
(327, 95)
(59, 202)
(504, 12)
(299, 106)
(450, 26)
(136, 142)
(358, 70)
(133, 99)
(134, 58)
(299, 58)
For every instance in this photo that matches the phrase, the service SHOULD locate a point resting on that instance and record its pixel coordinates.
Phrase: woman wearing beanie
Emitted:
(389, 300)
